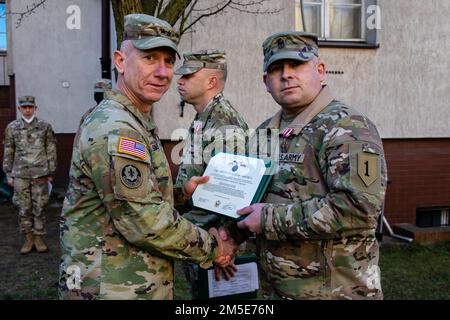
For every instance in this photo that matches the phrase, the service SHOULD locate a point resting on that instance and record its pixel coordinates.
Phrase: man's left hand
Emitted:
(253, 220)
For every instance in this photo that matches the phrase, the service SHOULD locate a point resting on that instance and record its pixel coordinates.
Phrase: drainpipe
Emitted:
(105, 60)
(392, 234)
(10, 63)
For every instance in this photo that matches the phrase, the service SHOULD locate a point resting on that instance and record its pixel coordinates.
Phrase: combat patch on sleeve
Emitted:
(365, 167)
(368, 168)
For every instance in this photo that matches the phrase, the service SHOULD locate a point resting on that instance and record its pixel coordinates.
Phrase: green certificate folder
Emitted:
(236, 181)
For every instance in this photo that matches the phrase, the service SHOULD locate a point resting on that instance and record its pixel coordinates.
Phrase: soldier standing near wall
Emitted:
(213, 130)
(101, 86)
(30, 164)
(316, 227)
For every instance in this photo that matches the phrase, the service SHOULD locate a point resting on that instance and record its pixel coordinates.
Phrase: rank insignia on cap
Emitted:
(132, 147)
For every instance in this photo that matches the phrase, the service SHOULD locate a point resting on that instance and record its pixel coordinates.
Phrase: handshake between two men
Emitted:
(231, 234)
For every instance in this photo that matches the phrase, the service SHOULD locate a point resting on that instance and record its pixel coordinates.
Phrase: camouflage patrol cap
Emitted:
(148, 32)
(27, 101)
(209, 59)
(291, 45)
(102, 85)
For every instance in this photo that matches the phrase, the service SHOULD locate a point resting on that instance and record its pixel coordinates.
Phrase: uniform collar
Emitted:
(24, 123)
(323, 99)
(209, 107)
(145, 119)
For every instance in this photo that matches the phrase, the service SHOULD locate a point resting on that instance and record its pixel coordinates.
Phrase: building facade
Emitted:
(386, 58)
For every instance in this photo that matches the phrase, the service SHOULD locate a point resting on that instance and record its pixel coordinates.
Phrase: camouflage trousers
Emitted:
(31, 197)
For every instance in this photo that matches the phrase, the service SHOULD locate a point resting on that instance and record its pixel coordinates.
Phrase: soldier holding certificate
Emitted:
(316, 226)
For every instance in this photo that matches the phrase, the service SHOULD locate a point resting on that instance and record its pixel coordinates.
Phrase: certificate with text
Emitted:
(233, 184)
(245, 280)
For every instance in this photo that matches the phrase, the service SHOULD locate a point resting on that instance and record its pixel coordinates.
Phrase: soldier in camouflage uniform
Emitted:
(100, 87)
(316, 227)
(119, 230)
(30, 164)
(214, 129)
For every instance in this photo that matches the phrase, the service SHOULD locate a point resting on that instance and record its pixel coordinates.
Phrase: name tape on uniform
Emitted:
(292, 157)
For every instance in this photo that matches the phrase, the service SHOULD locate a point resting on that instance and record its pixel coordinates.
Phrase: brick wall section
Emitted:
(419, 171)
(7, 114)
(64, 145)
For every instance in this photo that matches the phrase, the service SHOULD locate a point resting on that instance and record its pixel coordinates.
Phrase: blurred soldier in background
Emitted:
(30, 164)
(214, 129)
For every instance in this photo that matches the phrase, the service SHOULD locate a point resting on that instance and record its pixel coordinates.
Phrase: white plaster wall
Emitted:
(46, 54)
(403, 86)
(241, 35)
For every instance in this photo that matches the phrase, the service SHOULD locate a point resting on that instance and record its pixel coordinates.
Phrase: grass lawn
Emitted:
(409, 271)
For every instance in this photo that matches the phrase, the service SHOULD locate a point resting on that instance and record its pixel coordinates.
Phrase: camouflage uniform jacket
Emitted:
(322, 205)
(211, 131)
(119, 230)
(30, 149)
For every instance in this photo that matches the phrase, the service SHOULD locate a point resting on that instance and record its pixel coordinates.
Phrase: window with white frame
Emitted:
(3, 33)
(339, 21)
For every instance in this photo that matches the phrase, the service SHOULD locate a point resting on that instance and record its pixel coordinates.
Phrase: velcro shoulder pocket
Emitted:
(132, 171)
(128, 145)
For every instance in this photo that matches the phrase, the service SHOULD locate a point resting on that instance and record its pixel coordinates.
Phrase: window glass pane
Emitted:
(345, 1)
(312, 16)
(345, 22)
(2, 26)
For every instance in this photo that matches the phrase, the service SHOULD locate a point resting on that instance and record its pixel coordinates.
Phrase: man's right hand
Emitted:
(226, 249)
(10, 182)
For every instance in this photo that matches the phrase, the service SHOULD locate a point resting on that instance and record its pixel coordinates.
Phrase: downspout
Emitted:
(105, 60)
(303, 16)
(10, 62)
(392, 234)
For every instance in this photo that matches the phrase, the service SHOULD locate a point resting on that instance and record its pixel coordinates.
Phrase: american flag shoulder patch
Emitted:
(132, 147)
